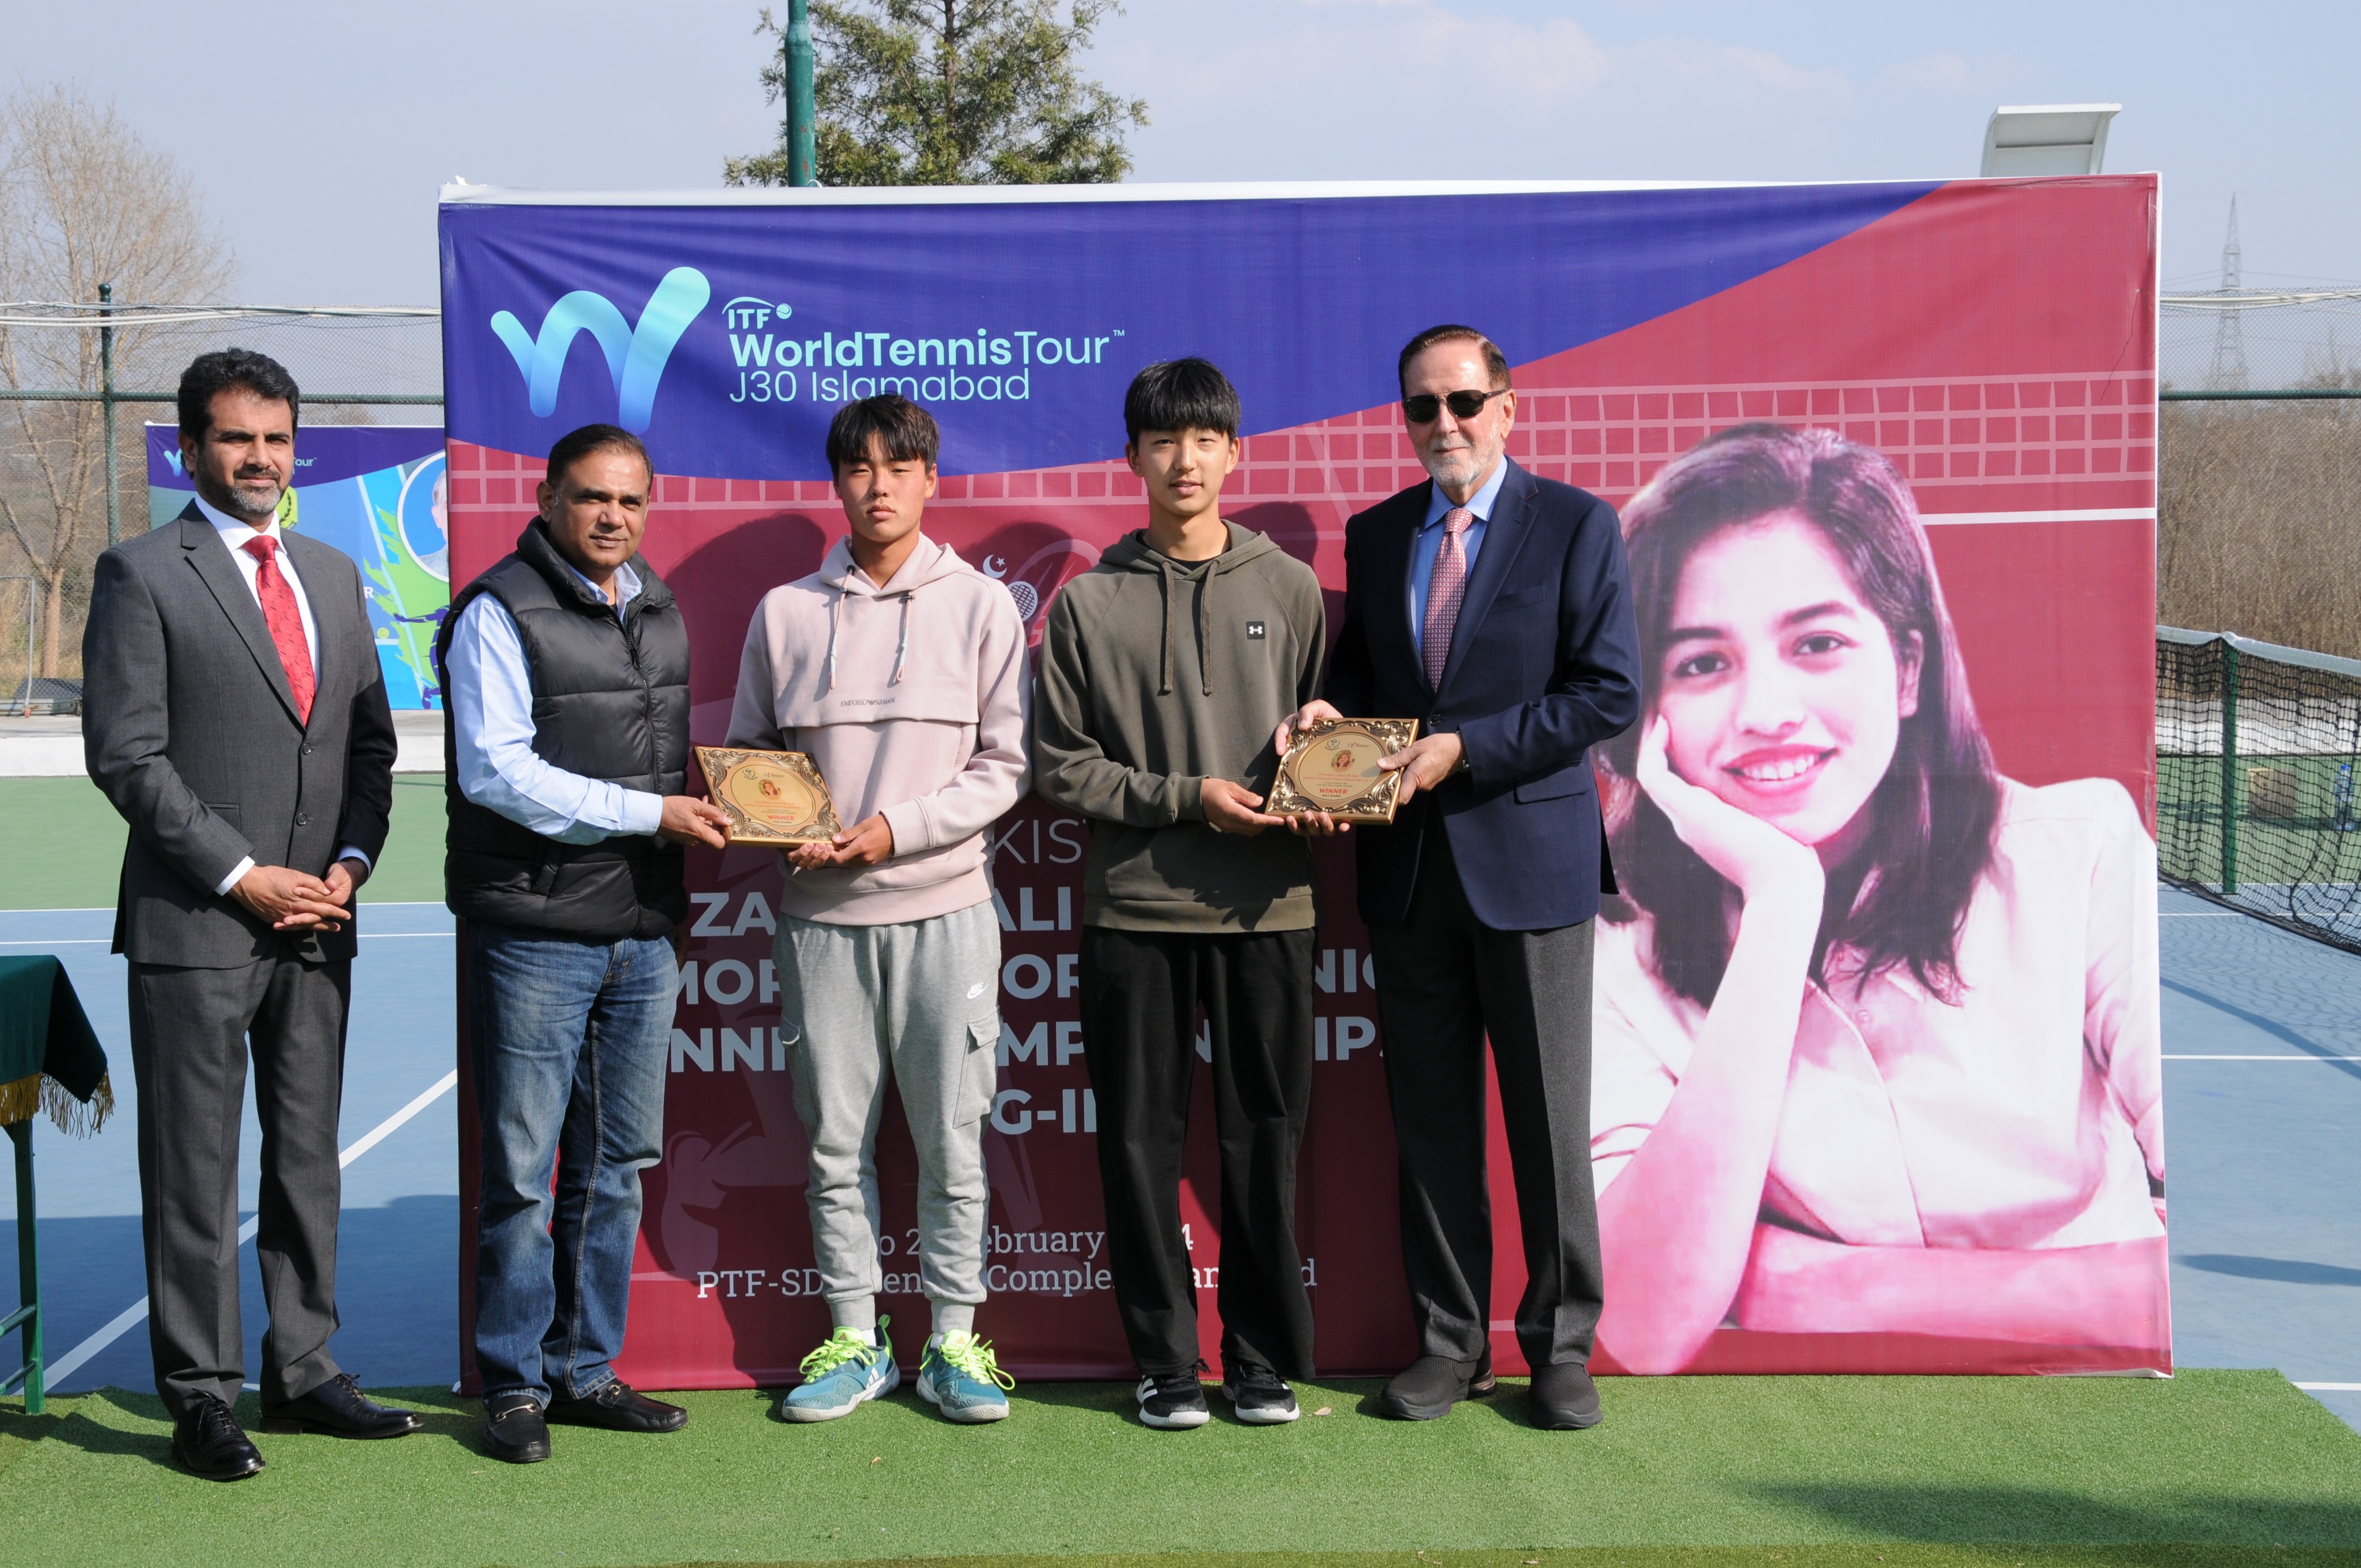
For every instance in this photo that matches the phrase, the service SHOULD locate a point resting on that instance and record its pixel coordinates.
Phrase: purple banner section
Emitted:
(727, 336)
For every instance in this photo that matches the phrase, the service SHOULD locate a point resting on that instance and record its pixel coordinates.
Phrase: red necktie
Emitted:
(1444, 589)
(286, 621)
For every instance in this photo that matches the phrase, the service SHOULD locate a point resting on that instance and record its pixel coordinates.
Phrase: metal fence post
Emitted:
(32, 608)
(2229, 766)
(106, 404)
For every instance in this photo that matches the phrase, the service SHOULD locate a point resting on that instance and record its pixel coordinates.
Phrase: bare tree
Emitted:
(2257, 506)
(82, 201)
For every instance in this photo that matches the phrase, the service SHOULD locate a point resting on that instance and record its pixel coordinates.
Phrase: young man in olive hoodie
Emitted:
(1164, 670)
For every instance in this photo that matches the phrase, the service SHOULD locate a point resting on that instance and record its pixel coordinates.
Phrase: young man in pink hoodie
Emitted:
(901, 670)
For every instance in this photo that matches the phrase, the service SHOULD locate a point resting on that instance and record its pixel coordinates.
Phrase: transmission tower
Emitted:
(2228, 371)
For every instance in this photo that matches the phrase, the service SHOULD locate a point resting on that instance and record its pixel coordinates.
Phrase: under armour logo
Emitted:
(1254, 631)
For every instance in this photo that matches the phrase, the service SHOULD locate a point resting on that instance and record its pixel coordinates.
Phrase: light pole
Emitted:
(801, 142)
(2046, 139)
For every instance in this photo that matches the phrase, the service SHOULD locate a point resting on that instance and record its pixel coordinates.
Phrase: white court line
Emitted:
(2330, 1388)
(2202, 914)
(2178, 1055)
(123, 1321)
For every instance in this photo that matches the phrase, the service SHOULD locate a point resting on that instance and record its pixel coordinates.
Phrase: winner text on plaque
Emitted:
(1331, 766)
(772, 797)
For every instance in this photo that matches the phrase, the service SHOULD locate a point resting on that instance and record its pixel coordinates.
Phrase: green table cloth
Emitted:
(50, 1060)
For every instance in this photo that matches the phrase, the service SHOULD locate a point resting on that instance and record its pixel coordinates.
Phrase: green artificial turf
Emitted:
(1686, 1471)
(62, 845)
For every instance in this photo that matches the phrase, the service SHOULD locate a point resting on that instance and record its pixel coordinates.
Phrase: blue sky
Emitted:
(317, 134)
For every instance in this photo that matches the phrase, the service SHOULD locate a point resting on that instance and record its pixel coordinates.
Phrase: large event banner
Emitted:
(1886, 458)
(376, 492)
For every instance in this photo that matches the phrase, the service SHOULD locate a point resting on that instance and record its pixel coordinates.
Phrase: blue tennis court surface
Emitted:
(395, 1285)
(2263, 1122)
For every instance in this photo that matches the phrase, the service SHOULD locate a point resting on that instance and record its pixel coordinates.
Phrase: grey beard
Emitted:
(237, 505)
(1454, 467)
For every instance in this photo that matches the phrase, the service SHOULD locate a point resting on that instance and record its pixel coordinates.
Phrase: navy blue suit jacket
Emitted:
(1544, 665)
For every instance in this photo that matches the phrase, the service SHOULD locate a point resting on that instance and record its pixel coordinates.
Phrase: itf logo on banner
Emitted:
(635, 355)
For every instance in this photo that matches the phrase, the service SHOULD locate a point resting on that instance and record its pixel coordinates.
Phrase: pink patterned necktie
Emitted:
(1444, 589)
(285, 619)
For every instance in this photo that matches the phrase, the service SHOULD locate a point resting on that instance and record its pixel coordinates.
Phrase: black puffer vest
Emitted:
(610, 701)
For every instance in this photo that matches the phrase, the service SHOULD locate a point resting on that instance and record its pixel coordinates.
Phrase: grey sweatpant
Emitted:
(918, 1002)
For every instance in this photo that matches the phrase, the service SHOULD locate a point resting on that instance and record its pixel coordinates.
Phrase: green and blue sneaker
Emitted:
(961, 1376)
(845, 1370)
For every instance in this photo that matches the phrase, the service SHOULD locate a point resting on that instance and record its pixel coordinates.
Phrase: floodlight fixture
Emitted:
(2046, 139)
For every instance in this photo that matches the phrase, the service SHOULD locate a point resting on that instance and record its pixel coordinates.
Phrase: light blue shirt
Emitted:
(492, 718)
(1428, 540)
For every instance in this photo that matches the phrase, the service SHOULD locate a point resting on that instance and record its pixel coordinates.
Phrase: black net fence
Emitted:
(2258, 803)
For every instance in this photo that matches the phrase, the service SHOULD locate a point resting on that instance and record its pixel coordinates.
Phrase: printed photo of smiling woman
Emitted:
(1877, 1046)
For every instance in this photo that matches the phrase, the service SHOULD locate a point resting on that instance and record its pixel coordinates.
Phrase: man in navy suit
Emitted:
(1493, 605)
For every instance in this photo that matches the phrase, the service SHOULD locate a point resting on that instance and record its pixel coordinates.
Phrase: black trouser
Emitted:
(1445, 980)
(190, 1029)
(1140, 995)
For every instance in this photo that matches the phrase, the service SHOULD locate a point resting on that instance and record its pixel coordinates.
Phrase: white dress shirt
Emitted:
(235, 531)
(490, 694)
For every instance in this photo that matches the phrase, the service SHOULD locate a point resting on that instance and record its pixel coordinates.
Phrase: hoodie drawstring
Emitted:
(834, 605)
(1164, 672)
(901, 648)
(1205, 617)
(1204, 583)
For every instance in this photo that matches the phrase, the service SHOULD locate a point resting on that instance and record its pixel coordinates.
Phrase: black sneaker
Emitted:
(1173, 1403)
(1259, 1396)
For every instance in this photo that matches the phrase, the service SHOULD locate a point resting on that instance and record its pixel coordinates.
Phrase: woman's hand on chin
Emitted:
(1764, 864)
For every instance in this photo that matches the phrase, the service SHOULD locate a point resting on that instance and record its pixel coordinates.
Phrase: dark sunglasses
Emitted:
(1423, 407)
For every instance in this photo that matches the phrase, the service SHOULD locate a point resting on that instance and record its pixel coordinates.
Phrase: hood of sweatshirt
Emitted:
(911, 700)
(931, 562)
(1191, 580)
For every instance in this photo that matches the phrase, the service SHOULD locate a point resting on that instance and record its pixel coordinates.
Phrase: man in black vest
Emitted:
(566, 674)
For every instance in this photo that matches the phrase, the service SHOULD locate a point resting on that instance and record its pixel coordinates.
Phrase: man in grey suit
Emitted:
(234, 713)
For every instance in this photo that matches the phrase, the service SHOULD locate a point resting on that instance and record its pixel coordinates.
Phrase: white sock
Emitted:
(859, 1315)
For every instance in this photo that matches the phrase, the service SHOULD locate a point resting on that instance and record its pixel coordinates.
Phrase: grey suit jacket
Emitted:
(190, 728)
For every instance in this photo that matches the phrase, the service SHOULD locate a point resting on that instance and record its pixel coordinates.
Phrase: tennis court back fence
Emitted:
(2257, 806)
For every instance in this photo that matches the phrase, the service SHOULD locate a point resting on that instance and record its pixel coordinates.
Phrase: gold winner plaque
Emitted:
(1331, 766)
(772, 797)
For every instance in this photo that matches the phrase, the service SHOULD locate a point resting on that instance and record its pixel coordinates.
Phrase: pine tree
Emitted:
(951, 92)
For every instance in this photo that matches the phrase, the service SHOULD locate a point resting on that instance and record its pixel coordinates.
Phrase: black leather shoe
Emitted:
(208, 1441)
(1427, 1388)
(338, 1408)
(614, 1406)
(514, 1431)
(1564, 1398)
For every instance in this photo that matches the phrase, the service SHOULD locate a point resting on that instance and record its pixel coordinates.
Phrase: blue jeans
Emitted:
(568, 1040)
